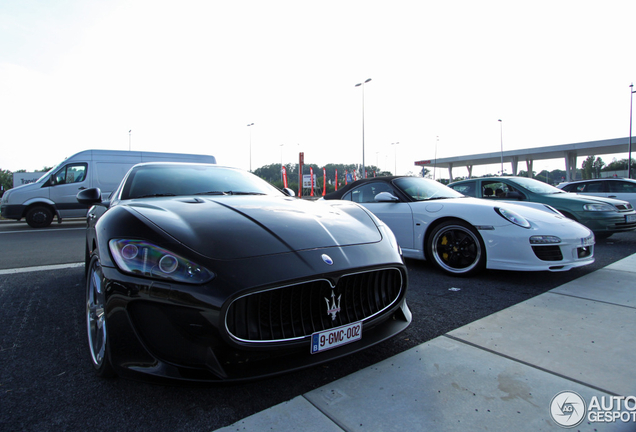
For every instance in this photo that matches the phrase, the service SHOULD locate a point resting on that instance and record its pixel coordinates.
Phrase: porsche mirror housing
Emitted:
(386, 197)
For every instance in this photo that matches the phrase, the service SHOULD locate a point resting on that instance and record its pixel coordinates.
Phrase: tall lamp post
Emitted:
(629, 158)
(251, 124)
(395, 156)
(501, 132)
(363, 174)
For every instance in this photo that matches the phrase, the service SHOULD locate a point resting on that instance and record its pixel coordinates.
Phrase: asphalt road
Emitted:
(47, 382)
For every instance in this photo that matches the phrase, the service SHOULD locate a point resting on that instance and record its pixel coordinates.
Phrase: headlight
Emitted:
(513, 217)
(145, 259)
(599, 207)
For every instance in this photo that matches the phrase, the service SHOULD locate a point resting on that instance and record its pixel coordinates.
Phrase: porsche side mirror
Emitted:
(386, 197)
(289, 192)
(89, 196)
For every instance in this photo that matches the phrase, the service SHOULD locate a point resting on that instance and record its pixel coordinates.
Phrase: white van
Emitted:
(54, 193)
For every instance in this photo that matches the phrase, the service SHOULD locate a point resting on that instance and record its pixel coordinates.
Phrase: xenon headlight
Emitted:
(599, 207)
(513, 217)
(141, 258)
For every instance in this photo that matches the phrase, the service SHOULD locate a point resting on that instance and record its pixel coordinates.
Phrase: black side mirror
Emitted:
(515, 195)
(90, 196)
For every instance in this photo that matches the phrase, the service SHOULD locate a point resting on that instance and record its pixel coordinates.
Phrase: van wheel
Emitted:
(39, 217)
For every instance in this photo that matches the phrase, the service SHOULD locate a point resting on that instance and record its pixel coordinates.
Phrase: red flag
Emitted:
(284, 176)
(311, 174)
(355, 177)
(346, 175)
(324, 181)
(336, 178)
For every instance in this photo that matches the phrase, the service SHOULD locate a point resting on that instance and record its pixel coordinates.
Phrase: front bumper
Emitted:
(165, 331)
(507, 250)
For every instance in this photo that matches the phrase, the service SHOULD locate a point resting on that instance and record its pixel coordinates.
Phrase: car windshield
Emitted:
(536, 186)
(160, 180)
(421, 189)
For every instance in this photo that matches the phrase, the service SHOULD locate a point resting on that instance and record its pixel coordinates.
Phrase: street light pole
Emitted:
(363, 174)
(395, 156)
(501, 131)
(629, 158)
(251, 124)
(129, 139)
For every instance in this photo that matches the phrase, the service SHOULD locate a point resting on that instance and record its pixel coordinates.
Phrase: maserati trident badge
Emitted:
(333, 308)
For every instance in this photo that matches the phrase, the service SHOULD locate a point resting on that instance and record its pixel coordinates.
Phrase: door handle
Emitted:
(82, 188)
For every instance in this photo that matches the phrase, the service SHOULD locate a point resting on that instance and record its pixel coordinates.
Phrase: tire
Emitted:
(96, 324)
(39, 217)
(456, 248)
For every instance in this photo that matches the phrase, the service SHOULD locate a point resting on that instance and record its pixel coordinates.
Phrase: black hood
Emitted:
(234, 227)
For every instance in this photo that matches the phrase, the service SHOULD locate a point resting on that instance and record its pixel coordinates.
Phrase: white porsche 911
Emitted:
(463, 235)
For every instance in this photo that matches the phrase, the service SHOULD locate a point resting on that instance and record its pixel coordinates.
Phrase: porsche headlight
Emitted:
(141, 258)
(513, 217)
(599, 207)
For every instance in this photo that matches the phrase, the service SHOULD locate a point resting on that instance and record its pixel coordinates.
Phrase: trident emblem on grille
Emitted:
(333, 309)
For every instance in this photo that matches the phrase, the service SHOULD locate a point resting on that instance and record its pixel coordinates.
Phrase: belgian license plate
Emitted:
(328, 339)
(630, 218)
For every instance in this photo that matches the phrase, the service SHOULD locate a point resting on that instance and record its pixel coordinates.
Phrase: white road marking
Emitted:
(41, 268)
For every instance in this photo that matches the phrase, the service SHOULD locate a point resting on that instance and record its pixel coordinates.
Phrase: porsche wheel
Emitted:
(96, 320)
(456, 248)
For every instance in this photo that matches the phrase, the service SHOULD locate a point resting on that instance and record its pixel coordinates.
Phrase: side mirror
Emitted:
(515, 195)
(289, 192)
(90, 196)
(386, 197)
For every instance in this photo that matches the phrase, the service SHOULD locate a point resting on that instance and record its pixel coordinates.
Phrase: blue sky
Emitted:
(189, 76)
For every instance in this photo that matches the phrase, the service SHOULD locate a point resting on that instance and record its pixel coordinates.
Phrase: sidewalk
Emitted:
(499, 373)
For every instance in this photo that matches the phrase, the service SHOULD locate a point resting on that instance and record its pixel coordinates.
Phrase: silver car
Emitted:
(619, 188)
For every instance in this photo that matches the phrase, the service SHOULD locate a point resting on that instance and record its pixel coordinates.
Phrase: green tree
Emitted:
(6, 180)
(587, 168)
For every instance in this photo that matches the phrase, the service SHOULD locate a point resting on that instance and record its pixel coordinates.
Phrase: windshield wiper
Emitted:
(243, 193)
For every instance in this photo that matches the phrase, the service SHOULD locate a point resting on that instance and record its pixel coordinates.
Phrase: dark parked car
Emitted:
(604, 216)
(207, 273)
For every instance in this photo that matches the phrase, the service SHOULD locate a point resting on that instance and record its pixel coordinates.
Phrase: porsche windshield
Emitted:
(421, 189)
(163, 180)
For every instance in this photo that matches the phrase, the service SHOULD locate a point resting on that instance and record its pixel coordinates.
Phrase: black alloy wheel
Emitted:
(456, 248)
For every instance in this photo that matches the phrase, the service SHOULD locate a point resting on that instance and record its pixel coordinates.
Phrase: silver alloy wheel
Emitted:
(456, 249)
(95, 317)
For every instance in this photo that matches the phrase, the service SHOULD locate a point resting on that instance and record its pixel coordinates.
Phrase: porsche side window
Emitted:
(366, 193)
